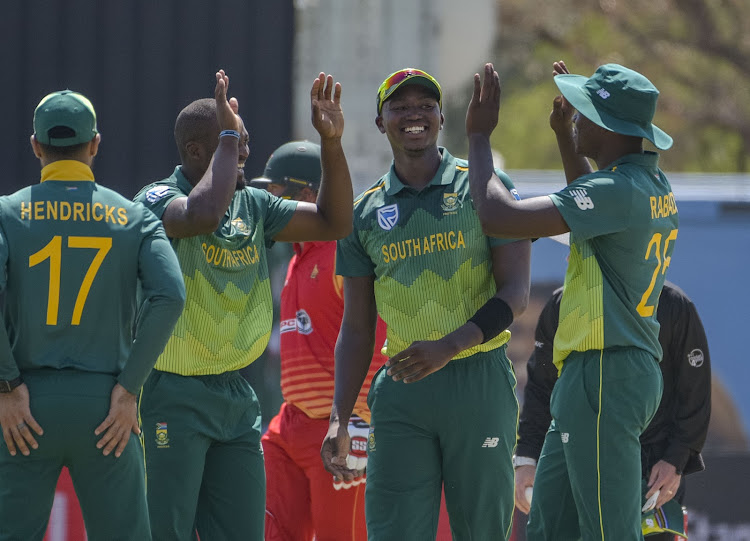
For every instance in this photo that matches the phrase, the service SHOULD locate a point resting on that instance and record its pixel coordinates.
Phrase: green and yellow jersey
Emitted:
(623, 223)
(228, 315)
(432, 263)
(72, 254)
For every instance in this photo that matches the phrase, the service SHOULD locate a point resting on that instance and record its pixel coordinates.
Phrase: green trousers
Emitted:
(69, 405)
(204, 461)
(456, 428)
(588, 480)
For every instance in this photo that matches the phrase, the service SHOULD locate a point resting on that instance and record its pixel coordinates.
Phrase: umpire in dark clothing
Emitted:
(671, 444)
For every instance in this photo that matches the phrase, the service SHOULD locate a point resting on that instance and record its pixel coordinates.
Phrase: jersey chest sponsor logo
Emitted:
(301, 324)
(156, 193)
(582, 199)
(388, 217)
(695, 358)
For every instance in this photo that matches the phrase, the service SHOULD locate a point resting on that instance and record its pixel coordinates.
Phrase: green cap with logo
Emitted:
(618, 99)
(64, 118)
(294, 165)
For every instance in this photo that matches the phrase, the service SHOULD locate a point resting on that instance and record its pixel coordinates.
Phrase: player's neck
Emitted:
(416, 170)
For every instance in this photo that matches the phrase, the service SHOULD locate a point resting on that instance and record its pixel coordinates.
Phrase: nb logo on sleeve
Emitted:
(583, 201)
(490, 442)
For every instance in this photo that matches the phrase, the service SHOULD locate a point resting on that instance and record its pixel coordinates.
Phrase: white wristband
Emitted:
(523, 461)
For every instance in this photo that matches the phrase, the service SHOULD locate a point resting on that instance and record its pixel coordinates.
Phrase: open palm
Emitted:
(325, 101)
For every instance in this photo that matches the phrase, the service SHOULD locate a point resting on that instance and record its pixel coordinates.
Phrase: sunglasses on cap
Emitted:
(395, 80)
(285, 188)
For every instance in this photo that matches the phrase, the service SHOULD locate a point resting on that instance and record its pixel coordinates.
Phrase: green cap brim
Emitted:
(572, 88)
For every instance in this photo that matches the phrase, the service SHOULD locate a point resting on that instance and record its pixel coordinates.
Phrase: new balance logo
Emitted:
(603, 93)
(565, 437)
(583, 201)
(490, 442)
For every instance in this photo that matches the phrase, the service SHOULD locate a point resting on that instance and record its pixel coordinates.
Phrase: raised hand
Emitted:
(225, 113)
(561, 117)
(120, 422)
(484, 108)
(17, 421)
(325, 102)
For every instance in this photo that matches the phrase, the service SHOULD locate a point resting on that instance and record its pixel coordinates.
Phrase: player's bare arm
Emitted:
(354, 349)
(201, 212)
(330, 218)
(561, 122)
(511, 270)
(17, 421)
(500, 214)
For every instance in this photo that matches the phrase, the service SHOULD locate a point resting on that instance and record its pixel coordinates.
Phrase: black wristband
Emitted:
(492, 318)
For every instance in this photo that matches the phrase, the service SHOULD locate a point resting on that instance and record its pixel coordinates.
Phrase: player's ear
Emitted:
(379, 123)
(35, 146)
(94, 145)
(442, 120)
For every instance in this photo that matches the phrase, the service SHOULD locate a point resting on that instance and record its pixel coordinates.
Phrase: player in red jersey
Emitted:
(301, 498)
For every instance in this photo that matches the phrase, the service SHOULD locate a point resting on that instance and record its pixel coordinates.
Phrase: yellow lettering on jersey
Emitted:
(109, 212)
(25, 211)
(437, 242)
(65, 211)
(440, 244)
(97, 216)
(78, 212)
(39, 210)
(52, 210)
(122, 216)
(221, 257)
(662, 206)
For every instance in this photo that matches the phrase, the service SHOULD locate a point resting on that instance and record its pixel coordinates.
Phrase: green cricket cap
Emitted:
(64, 109)
(408, 76)
(294, 165)
(618, 99)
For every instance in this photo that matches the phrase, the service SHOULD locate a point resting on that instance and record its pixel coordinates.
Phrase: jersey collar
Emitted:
(182, 182)
(68, 170)
(647, 159)
(443, 177)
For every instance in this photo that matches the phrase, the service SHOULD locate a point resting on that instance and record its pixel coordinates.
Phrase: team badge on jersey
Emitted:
(388, 216)
(371, 439)
(162, 438)
(241, 227)
(304, 323)
(451, 203)
(156, 193)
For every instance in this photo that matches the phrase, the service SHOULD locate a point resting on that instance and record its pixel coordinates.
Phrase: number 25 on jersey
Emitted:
(662, 264)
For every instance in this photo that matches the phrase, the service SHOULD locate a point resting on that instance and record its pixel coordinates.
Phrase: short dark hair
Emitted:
(196, 122)
(56, 153)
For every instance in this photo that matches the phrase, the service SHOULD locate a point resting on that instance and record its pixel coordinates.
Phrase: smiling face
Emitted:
(411, 119)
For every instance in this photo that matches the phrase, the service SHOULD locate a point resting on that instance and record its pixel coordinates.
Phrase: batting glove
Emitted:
(356, 460)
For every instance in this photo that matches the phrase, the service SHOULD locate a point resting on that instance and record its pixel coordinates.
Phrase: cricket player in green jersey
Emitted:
(444, 409)
(75, 343)
(202, 419)
(623, 224)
